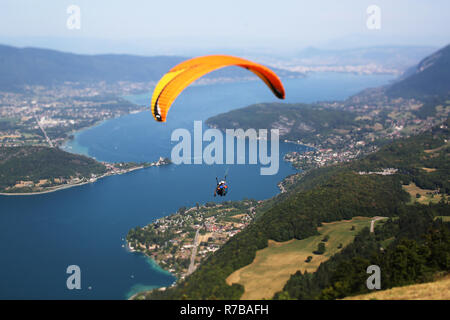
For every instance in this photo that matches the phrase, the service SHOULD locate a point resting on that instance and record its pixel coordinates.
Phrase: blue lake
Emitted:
(41, 235)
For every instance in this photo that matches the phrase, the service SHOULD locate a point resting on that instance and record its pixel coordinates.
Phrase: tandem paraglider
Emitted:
(183, 74)
(221, 188)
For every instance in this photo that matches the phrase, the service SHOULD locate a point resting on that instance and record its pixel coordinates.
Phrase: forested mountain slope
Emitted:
(325, 195)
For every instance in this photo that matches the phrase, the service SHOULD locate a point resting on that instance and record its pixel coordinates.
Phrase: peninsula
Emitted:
(31, 170)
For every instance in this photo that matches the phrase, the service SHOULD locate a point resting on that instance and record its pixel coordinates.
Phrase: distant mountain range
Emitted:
(398, 57)
(34, 66)
(431, 77)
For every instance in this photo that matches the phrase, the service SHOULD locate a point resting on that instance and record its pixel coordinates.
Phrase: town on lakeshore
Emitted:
(48, 116)
(181, 241)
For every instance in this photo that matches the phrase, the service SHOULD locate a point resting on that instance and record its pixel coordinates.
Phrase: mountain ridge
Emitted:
(36, 66)
(431, 77)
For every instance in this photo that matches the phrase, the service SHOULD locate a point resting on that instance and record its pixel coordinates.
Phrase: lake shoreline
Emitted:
(156, 266)
(64, 148)
(68, 186)
(73, 134)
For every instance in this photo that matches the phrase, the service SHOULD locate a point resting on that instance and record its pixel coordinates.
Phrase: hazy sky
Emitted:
(181, 26)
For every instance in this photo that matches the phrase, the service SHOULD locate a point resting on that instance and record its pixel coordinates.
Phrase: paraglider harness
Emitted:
(221, 188)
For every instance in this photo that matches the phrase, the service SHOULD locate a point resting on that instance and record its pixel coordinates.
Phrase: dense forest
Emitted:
(335, 193)
(34, 163)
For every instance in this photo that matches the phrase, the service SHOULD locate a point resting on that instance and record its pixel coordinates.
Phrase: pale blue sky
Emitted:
(181, 26)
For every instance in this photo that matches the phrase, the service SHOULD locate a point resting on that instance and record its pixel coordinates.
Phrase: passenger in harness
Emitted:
(221, 188)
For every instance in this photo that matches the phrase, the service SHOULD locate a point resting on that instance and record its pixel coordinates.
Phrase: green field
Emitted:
(426, 196)
(274, 265)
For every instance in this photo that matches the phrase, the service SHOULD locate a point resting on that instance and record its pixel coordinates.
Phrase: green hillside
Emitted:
(413, 248)
(431, 77)
(38, 163)
(295, 121)
(274, 265)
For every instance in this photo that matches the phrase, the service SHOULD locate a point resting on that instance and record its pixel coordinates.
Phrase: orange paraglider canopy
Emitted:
(183, 74)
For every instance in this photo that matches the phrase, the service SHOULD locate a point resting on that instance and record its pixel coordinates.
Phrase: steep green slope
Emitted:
(343, 195)
(411, 249)
(431, 77)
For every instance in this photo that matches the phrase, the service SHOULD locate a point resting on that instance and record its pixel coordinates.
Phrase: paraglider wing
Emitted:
(182, 75)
